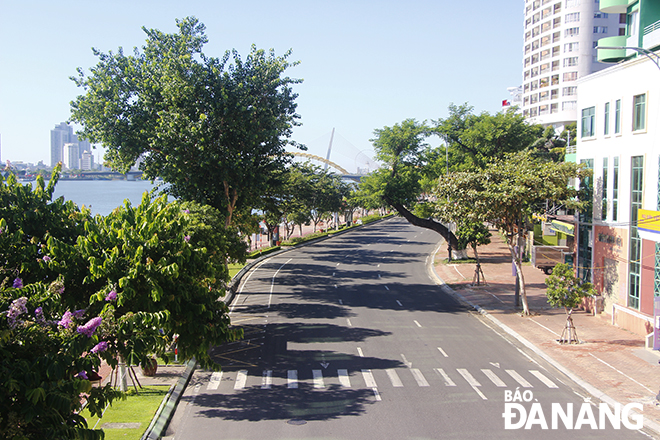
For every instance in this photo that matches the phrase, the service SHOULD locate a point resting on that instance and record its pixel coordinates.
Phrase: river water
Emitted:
(102, 196)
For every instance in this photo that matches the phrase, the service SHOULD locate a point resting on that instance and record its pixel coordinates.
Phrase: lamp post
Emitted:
(641, 50)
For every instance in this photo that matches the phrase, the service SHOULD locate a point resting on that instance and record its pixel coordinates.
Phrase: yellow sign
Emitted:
(648, 224)
(564, 228)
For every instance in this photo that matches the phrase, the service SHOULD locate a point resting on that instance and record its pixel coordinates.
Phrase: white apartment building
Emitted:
(71, 156)
(559, 47)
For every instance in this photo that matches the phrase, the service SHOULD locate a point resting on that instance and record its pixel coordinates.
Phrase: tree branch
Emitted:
(426, 223)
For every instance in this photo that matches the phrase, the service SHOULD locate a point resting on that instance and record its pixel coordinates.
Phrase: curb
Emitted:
(650, 424)
(165, 411)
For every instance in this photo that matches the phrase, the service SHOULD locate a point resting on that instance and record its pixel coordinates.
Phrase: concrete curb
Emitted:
(165, 411)
(650, 424)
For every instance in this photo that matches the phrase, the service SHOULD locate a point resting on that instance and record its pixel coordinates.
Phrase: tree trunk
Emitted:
(428, 224)
(519, 273)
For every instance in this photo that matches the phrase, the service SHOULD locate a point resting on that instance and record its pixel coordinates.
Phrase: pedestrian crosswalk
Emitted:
(319, 379)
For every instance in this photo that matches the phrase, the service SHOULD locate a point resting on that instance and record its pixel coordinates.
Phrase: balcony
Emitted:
(652, 36)
(612, 55)
(614, 6)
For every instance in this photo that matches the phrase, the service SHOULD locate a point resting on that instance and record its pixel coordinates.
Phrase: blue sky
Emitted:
(365, 64)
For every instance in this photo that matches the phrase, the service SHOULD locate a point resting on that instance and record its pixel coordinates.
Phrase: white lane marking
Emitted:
(547, 382)
(243, 286)
(541, 325)
(387, 288)
(378, 265)
(472, 381)
(338, 264)
(344, 380)
(405, 361)
(369, 380)
(378, 275)
(394, 378)
(292, 379)
(621, 372)
(359, 350)
(417, 323)
(333, 274)
(318, 379)
(443, 352)
(419, 377)
(341, 302)
(335, 286)
(447, 379)
(272, 284)
(518, 378)
(376, 394)
(399, 303)
(493, 378)
(267, 379)
(241, 378)
(216, 377)
(348, 321)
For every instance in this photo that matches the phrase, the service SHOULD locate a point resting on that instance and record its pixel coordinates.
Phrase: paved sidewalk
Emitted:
(610, 359)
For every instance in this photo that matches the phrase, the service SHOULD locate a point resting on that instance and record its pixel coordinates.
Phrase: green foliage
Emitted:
(76, 289)
(215, 129)
(472, 233)
(565, 289)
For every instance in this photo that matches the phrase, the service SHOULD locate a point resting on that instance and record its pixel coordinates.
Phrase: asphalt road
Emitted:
(351, 339)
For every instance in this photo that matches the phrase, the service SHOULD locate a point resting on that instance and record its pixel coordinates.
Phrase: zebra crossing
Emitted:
(320, 379)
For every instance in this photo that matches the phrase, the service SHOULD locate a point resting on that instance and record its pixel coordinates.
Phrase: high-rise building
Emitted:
(87, 161)
(71, 156)
(59, 136)
(559, 47)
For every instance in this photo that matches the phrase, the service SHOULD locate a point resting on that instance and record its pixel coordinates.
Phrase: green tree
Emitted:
(506, 194)
(215, 129)
(567, 291)
(404, 152)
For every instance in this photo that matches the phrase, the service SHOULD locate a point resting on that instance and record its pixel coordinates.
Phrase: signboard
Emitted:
(564, 228)
(648, 224)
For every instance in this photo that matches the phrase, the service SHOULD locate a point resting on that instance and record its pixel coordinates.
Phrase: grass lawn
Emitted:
(234, 269)
(137, 408)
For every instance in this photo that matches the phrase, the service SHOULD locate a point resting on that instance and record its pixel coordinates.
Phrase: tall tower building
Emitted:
(62, 134)
(71, 156)
(559, 47)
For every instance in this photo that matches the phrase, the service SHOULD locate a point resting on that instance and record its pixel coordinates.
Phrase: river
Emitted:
(102, 196)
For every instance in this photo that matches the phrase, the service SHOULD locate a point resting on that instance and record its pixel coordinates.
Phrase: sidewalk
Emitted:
(612, 360)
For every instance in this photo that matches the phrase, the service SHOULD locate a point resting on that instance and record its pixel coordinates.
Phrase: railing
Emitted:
(571, 149)
(652, 27)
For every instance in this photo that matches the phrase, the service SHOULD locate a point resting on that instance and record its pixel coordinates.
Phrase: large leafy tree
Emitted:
(506, 194)
(403, 150)
(215, 129)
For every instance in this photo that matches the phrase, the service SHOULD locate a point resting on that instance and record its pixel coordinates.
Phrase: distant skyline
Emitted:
(365, 64)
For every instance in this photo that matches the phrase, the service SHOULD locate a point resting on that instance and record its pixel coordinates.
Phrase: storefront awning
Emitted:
(648, 224)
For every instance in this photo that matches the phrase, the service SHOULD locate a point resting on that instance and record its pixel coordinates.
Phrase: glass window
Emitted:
(603, 214)
(635, 265)
(617, 116)
(639, 112)
(570, 76)
(615, 189)
(572, 32)
(606, 119)
(572, 17)
(588, 122)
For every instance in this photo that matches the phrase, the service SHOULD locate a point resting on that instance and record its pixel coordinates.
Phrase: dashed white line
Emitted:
(318, 379)
(542, 378)
(341, 302)
(267, 379)
(344, 379)
(394, 378)
(292, 379)
(241, 378)
(272, 284)
(493, 378)
(419, 377)
(359, 350)
(399, 303)
(445, 377)
(387, 288)
(518, 378)
(216, 377)
(417, 323)
(348, 321)
(472, 381)
(369, 380)
(443, 352)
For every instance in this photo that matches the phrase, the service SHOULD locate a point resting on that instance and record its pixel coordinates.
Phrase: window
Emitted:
(615, 189)
(534, 98)
(600, 29)
(545, 40)
(555, 65)
(634, 257)
(556, 22)
(572, 17)
(545, 54)
(588, 122)
(617, 116)
(554, 80)
(572, 32)
(554, 108)
(569, 91)
(606, 120)
(535, 45)
(534, 85)
(546, 26)
(526, 89)
(546, 12)
(535, 71)
(535, 58)
(572, 3)
(572, 61)
(568, 105)
(556, 37)
(599, 14)
(544, 96)
(544, 82)
(639, 112)
(603, 212)
(554, 93)
(533, 112)
(570, 76)
(571, 47)
(545, 68)
(536, 31)
(544, 110)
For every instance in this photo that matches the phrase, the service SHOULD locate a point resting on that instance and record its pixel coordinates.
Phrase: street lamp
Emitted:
(641, 50)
